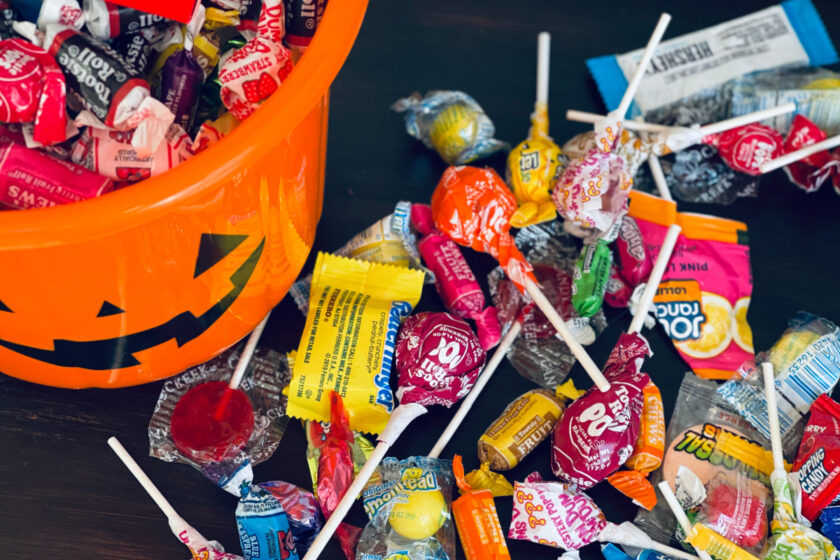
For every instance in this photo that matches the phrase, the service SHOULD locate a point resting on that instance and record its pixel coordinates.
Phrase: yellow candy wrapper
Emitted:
(483, 478)
(568, 390)
(532, 167)
(355, 310)
(706, 540)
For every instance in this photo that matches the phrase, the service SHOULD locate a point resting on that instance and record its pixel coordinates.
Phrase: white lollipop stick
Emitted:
(655, 277)
(801, 153)
(628, 534)
(560, 326)
(773, 417)
(144, 480)
(543, 52)
(636, 79)
(675, 506)
(472, 396)
(659, 177)
(247, 354)
(399, 420)
(641, 126)
(749, 118)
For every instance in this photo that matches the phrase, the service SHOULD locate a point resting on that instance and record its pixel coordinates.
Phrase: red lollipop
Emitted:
(474, 206)
(214, 420)
(438, 358)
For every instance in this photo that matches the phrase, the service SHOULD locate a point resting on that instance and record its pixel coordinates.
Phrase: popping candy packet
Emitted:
(388, 241)
(818, 458)
(697, 65)
(805, 360)
(409, 511)
(699, 174)
(816, 92)
(450, 122)
(700, 419)
(476, 519)
(348, 342)
(267, 374)
(537, 353)
(704, 295)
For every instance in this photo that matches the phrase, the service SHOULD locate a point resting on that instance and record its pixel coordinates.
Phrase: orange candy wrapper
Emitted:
(647, 453)
(477, 520)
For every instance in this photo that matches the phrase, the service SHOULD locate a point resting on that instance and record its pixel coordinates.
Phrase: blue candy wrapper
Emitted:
(700, 64)
(830, 518)
(264, 530)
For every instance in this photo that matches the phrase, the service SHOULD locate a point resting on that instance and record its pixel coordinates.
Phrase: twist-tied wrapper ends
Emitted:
(473, 206)
(476, 518)
(267, 374)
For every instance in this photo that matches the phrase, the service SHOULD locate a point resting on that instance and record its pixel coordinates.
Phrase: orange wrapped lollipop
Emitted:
(473, 207)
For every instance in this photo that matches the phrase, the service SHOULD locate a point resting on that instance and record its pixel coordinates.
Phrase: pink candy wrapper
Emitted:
(811, 172)
(554, 514)
(438, 359)
(32, 89)
(110, 153)
(596, 434)
(31, 179)
(455, 282)
(632, 263)
(250, 74)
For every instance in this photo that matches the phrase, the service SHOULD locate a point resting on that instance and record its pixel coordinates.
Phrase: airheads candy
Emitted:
(818, 459)
(704, 295)
(348, 342)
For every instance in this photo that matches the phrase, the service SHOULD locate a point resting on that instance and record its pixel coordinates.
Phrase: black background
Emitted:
(64, 494)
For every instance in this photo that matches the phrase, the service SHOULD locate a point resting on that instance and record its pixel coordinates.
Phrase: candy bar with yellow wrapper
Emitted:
(476, 519)
(706, 540)
(355, 310)
(388, 241)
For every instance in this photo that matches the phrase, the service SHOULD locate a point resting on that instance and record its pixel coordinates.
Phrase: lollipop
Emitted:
(473, 206)
(214, 420)
(592, 191)
(791, 536)
(535, 162)
(562, 516)
(438, 359)
(199, 546)
(800, 154)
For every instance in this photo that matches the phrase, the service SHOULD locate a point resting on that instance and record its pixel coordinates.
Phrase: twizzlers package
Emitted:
(704, 295)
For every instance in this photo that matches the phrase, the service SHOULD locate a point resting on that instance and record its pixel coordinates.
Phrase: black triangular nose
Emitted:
(213, 248)
(4, 307)
(109, 308)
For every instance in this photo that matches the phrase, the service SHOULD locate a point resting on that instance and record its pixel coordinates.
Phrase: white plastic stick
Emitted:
(675, 506)
(628, 534)
(247, 354)
(543, 57)
(560, 326)
(641, 126)
(472, 396)
(749, 118)
(801, 153)
(144, 480)
(655, 277)
(636, 79)
(400, 419)
(658, 176)
(773, 417)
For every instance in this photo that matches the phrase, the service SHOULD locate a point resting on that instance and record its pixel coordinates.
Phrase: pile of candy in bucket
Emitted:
(99, 95)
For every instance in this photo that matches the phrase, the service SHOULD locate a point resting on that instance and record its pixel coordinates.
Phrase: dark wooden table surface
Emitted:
(63, 494)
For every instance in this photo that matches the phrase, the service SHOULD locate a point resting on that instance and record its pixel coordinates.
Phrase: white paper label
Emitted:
(708, 58)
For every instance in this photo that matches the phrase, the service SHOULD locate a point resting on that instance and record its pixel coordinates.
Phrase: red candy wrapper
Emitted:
(631, 260)
(249, 75)
(32, 89)
(473, 207)
(335, 463)
(806, 173)
(598, 431)
(438, 359)
(618, 293)
(736, 513)
(455, 282)
(110, 153)
(31, 179)
(818, 458)
(745, 148)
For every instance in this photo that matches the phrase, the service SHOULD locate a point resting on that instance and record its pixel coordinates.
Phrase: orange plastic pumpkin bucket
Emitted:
(147, 281)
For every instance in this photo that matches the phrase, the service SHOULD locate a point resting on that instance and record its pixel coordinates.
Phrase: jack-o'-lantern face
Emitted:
(119, 352)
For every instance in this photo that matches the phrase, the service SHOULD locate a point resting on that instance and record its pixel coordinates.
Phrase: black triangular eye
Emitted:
(109, 308)
(213, 248)
(4, 307)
